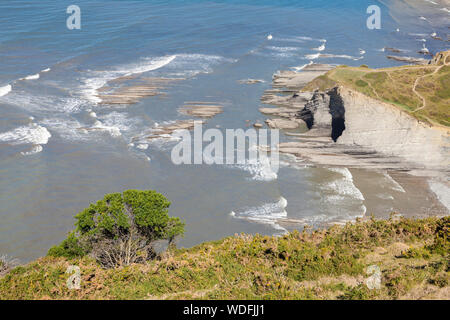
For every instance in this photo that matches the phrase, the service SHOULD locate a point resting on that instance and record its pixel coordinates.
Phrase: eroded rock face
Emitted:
(316, 111)
(350, 129)
(390, 131)
(373, 132)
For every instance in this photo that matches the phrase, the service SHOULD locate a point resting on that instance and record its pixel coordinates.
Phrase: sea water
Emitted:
(60, 149)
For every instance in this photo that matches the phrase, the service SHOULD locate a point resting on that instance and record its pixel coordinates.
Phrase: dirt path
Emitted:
(424, 102)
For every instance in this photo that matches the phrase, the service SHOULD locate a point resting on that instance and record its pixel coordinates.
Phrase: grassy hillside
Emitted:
(412, 255)
(422, 91)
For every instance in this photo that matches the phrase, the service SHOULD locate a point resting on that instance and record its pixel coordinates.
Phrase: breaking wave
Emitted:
(268, 213)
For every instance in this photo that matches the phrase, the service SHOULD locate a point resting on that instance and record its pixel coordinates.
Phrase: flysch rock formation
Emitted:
(350, 129)
(130, 89)
(165, 131)
(287, 98)
(201, 109)
(419, 61)
(251, 81)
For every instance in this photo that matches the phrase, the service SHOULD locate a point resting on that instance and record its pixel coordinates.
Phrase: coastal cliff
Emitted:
(392, 118)
(390, 131)
(352, 119)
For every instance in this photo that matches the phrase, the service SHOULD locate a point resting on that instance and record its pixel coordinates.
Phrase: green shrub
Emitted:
(417, 253)
(69, 248)
(441, 243)
(120, 228)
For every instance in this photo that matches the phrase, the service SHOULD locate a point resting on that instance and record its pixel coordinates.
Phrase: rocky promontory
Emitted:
(361, 128)
(392, 119)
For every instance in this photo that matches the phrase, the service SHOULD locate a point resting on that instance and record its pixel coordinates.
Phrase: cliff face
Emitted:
(360, 121)
(390, 131)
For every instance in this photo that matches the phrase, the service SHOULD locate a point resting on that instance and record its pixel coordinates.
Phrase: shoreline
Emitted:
(290, 103)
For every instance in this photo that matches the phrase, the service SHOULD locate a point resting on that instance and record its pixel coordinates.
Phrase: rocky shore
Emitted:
(346, 128)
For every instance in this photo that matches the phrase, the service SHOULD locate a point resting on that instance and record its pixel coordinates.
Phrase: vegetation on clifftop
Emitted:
(422, 91)
(121, 229)
(412, 256)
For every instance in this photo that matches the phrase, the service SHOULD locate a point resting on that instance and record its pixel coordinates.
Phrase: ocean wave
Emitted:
(320, 48)
(268, 213)
(35, 149)
(112, 130)
(261, 170)
(67, 128)
(344, 186)
(299, 39)
(178, 65)
(283, 49)
(313, 56)
(192, 64)
(342, 56)
(98, 79)
(394, 184)
(31, 77)
(30, 134)
(148, 64)
(303, 66)
(5, 90)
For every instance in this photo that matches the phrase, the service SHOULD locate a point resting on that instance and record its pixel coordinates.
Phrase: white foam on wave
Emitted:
(261, 169)
(5, 90)
(303, 66)
(39, 102)
(283, 49)
(345, 186)
(67, 128)
(178, 65)
(148, 64)
(192, 64)
(46, 70)
(99, 78)
(320, 48)
(268, 213)
(35, 149)
(115, 123)
(394, 184)
(142, 146)
(113, 131)
(30, 134)
(313, 56)
(31, 77)
(341, 56)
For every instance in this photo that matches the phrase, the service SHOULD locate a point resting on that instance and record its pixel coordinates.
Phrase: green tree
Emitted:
(120, 228)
